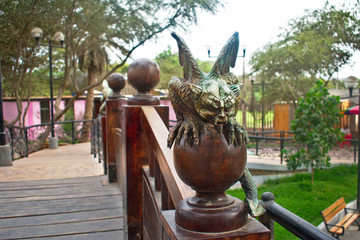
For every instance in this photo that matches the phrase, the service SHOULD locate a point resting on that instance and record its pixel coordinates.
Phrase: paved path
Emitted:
(69, 161)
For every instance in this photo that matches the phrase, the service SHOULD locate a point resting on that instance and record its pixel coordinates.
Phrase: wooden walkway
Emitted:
(72, 208)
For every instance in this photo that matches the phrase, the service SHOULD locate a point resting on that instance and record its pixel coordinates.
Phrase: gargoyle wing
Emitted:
(227, 56)
(191, 69)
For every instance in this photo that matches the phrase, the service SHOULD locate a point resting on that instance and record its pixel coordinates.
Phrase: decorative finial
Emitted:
(116, 82)
(144, 75)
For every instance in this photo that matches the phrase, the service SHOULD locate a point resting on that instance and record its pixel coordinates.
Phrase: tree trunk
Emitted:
(312, 176)
(89, 104)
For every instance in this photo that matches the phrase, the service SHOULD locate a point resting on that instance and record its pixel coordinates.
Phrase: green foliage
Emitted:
(93, 29)
(168, 62)
(313, 46)
(296, 194)
(316, 116)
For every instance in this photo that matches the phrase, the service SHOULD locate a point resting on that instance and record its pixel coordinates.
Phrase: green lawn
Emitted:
(296, 194)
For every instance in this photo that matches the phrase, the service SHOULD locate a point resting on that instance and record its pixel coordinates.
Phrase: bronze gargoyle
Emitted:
(204, 99)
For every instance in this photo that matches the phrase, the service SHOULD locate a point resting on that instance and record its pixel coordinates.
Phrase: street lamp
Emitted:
(351, 82)
(37, 33)
(262, 101)
(5, 156)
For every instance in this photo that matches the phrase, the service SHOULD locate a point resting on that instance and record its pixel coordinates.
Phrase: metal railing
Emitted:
(24, 140)
(97, 140)
(272, 143)
(293, 223)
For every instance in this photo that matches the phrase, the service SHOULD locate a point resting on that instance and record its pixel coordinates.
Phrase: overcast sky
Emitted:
(258, 23)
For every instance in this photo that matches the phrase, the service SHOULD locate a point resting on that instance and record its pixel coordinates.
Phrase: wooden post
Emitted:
(113, 117)
(143, 75)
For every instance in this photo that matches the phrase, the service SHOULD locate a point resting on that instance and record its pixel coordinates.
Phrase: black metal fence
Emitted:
(23, 140)
(97, 140)
(271, 144)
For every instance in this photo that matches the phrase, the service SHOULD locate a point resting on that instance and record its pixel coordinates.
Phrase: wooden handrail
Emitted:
(157, 133)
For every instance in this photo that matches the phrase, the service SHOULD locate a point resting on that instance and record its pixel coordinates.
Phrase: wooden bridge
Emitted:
(137, 197)
(59, 194)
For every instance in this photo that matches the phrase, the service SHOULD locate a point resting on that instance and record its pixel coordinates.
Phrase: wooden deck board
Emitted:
(77, 194)
(111, 235)
(78, 208)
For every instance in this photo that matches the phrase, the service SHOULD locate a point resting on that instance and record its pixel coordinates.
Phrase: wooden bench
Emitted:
(330, 212)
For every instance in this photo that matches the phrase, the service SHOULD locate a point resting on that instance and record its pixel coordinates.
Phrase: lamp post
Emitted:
(351, 82)
(262, 101)
(5, 156)
(59, 37)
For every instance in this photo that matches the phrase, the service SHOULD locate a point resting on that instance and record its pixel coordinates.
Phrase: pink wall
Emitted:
(10, 111)
(33, 115)
(172, 115)
(79, 109)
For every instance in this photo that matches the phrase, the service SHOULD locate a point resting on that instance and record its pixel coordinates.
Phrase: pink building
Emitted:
(39, 109)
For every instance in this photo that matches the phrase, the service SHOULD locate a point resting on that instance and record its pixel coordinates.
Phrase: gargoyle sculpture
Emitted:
(200, 99)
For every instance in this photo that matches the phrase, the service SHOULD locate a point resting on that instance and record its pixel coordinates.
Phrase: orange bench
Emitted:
(329, 213)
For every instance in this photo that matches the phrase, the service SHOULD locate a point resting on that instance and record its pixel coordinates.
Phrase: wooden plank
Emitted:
(331, 208)
(61, 209)
(334, 212)
(344, 222)
(53, 191)
(118, 235)
(62, 229)
(105, 203)
(351, 219)
(78, 194)
(45, 185)
(54, 181)
(39, 204)
(60, 218)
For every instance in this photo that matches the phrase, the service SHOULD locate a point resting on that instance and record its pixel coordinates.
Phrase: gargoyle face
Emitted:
(215, 101)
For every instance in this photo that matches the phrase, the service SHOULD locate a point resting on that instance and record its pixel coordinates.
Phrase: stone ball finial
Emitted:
(143, 75)
(116, 82)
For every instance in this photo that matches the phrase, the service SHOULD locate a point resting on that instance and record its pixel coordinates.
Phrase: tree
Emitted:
(124, 25)
(314, 127)
(168, 62)
(314, 46)
(18, 57)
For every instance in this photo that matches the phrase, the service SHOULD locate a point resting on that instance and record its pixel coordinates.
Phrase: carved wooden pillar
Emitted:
(143, 75)
(113, 117)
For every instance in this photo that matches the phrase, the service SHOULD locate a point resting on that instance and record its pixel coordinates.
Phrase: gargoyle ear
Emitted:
(196, 90)
(236, 89)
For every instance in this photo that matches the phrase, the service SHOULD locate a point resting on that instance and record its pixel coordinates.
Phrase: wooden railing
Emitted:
(143, 166)
(138, 160)
(148, 180)
(147, 176)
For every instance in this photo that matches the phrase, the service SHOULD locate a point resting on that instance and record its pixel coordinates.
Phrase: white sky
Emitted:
(257, 21)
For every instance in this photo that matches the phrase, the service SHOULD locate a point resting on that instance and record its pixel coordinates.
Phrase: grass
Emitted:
(250, 118)
(296, 193)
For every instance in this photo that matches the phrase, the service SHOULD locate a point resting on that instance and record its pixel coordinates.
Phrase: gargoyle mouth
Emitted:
(220, 120)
